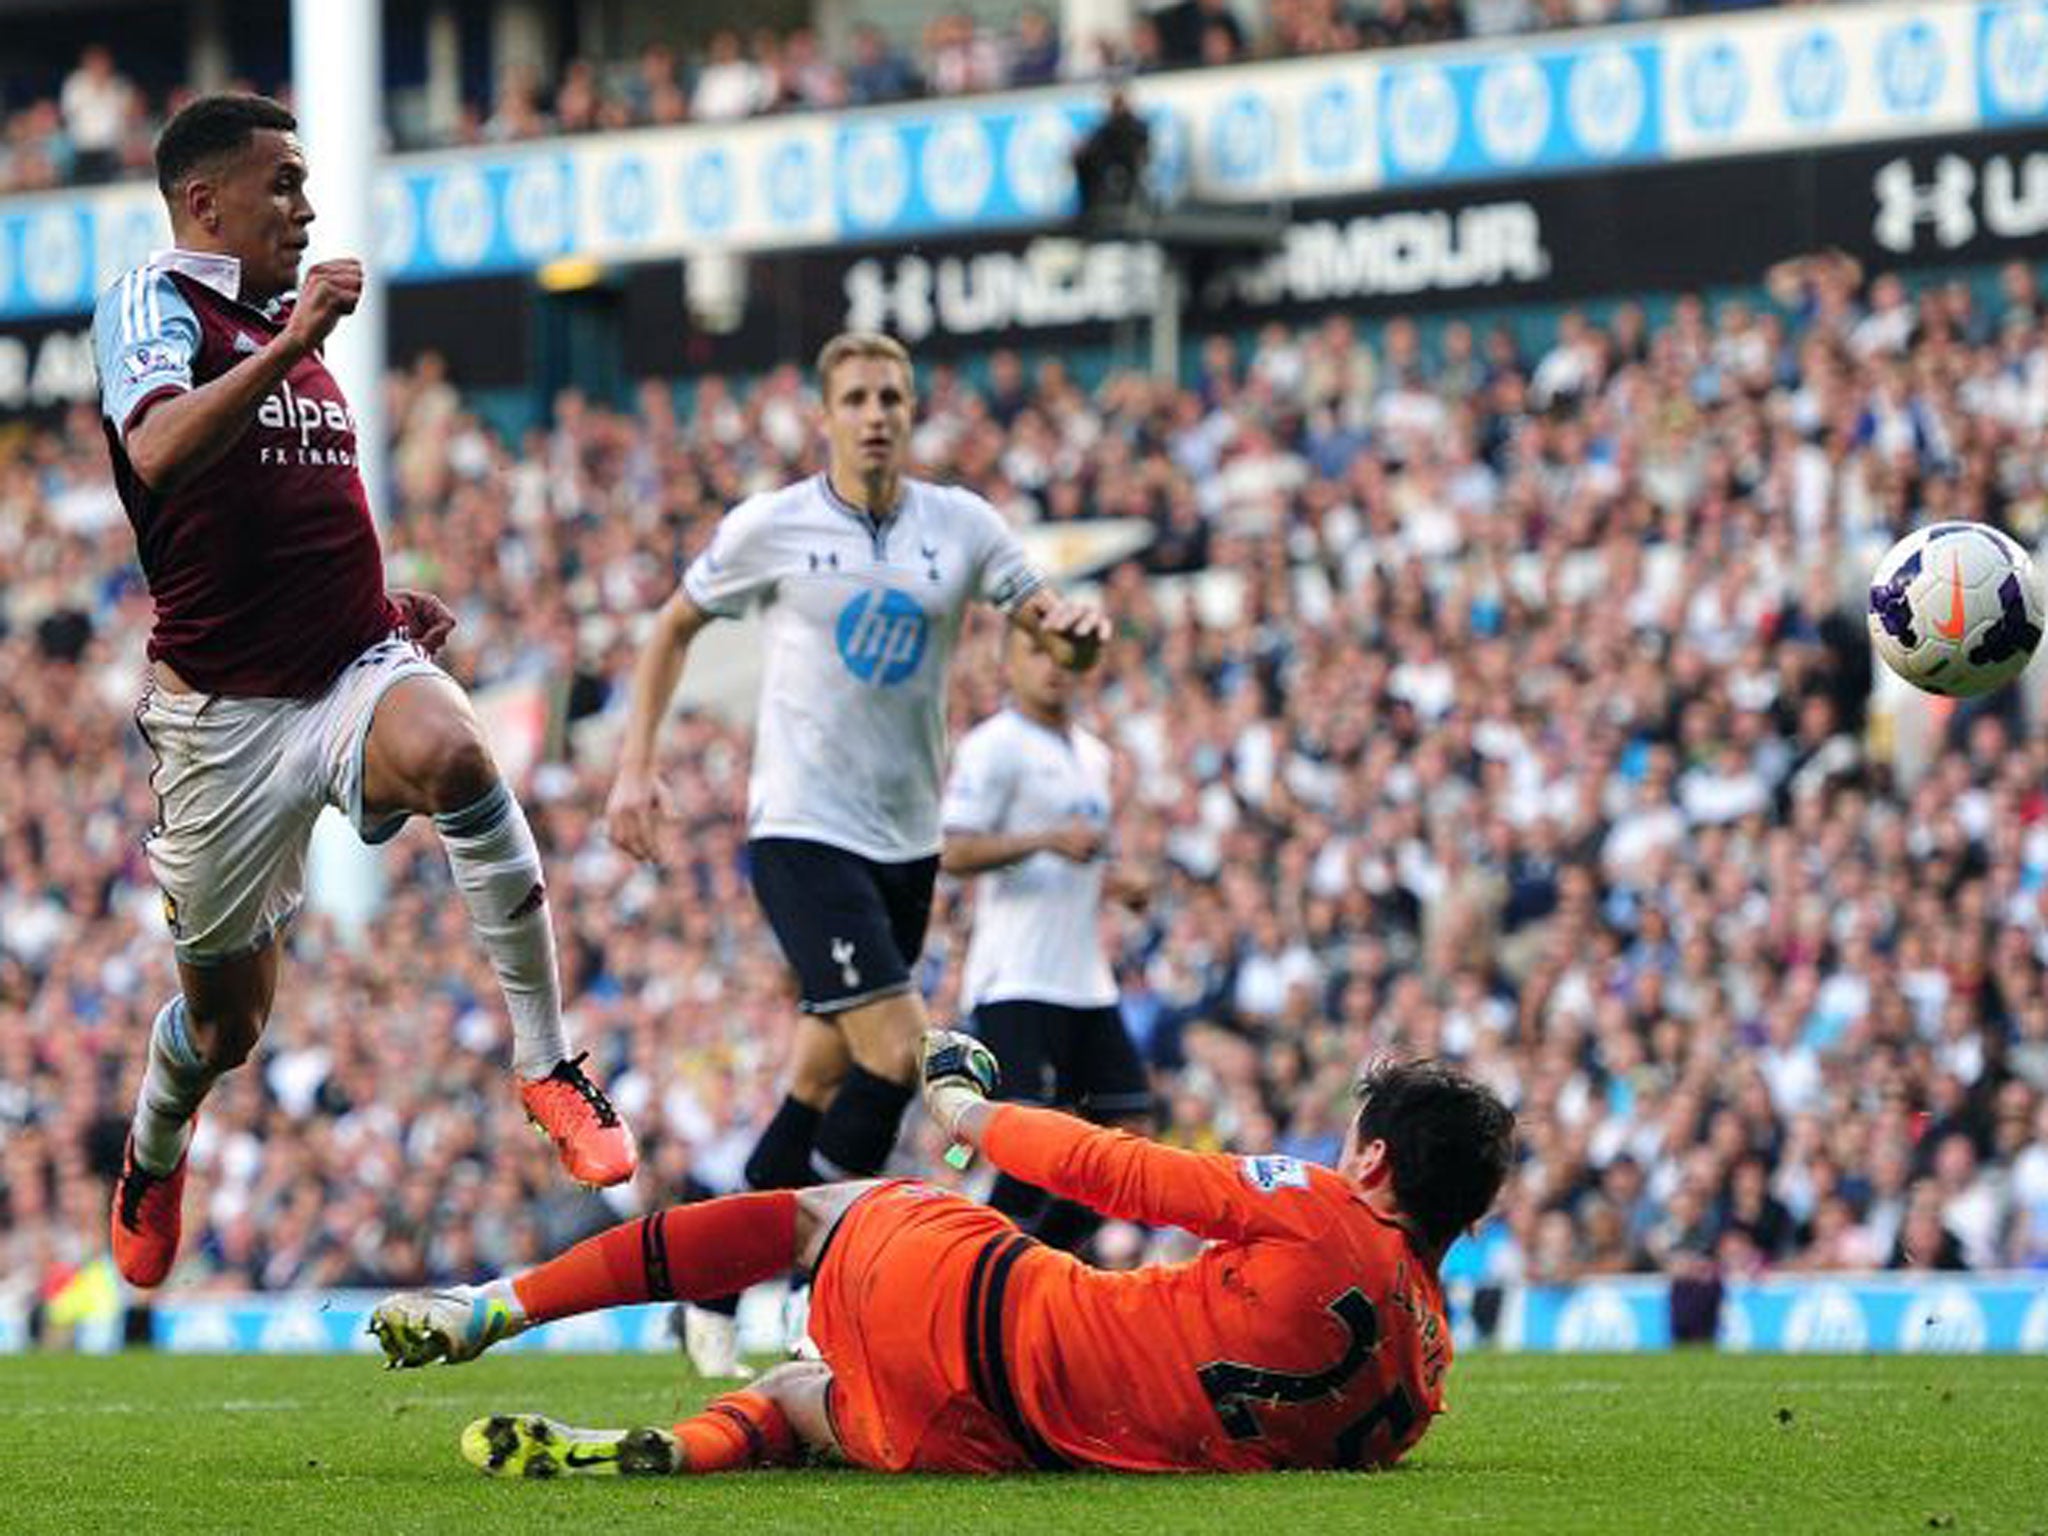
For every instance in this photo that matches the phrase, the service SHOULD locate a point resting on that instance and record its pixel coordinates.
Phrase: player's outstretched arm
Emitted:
(1073, 631)
(1110, 1171)
(639, 800)
(184, 435)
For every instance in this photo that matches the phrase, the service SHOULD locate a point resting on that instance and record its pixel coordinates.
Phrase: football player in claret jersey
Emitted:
(284, 678)
(862, 575)
(1310, 1332)
(1027, 813)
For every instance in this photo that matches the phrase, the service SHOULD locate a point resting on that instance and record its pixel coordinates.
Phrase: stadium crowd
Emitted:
(95, 123)
(1513, 708)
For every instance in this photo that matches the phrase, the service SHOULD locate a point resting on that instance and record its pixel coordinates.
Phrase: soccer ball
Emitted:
(1955, 609)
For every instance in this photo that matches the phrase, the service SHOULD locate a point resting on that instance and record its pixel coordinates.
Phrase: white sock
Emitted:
(497, 868)
(172, 1089)
(501, 1290)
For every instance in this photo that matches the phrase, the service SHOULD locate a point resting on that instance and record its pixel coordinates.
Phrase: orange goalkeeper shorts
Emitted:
(906, 1308)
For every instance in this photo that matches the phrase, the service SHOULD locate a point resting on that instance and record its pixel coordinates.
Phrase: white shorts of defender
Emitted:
(239, 784)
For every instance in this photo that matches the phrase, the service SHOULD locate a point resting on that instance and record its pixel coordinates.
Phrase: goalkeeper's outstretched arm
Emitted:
(1109, 1171)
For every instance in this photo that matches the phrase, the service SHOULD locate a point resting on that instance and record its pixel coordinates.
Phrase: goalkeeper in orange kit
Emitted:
(1310, 1332)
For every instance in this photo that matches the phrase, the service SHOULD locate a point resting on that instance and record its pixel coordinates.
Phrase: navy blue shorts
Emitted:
(1070, 1058)
(850, 927)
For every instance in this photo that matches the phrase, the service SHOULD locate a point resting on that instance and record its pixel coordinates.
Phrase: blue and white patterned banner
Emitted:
(1535, 111)
(2012, 73)
(1833, 1314)
(1324, 127)
(1876, 1314)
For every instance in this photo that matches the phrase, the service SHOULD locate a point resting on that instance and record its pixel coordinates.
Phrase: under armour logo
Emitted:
(842, 956)
(1946, 203)
(830, 558)
(532, 902)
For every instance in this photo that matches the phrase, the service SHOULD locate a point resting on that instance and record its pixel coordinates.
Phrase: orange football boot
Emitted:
(147, 1220)
(571, 1111)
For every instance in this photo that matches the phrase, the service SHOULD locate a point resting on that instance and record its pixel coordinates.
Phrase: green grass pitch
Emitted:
(151, 1445)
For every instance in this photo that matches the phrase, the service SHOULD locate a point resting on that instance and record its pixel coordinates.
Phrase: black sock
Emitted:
(859, 1126)
(1022, 1203)
(781, 1159)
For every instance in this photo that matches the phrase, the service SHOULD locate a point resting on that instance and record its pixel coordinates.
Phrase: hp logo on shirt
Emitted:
(881, 637)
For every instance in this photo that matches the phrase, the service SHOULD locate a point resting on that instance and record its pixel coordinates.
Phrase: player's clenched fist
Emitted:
(1078, 842)
(633, 814)
(958, 1071)
(329, 290)
(1075, 633)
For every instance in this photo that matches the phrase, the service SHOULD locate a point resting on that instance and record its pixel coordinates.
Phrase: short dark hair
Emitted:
(211, 127)
(1450, 1142)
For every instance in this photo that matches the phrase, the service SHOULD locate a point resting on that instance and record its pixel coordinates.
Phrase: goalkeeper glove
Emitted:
(958, 1071)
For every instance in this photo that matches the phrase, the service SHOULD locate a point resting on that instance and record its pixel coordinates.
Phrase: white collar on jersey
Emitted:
(862, 514)
(223, 274)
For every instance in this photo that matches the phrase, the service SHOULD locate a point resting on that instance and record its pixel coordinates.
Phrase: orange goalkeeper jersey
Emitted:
(1308, 1334)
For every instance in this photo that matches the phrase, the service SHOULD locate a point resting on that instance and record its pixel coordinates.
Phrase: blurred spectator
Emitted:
(1924, 1240)
(1609, 1247)
(578, 101)
(1400, 23)
(730, 84)
(1751, 1209)
(655, 93)
(36, 153)
(959, 57)
(1184, 27)
(878, 71)
(98, 105)
(1034, 49)
(516, 114)
(805, 77)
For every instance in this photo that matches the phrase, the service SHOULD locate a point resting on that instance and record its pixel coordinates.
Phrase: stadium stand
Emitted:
(91, 122)
(1509, 706)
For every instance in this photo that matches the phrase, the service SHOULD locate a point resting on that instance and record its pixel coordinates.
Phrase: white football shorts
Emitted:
(239, 784)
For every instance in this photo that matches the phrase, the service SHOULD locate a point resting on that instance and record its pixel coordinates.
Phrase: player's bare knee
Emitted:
(883, 1036)
(820, 1065)
(800, 1389)
(791, 1376)
(888, 1055)
(459, 770)
(225, 1040)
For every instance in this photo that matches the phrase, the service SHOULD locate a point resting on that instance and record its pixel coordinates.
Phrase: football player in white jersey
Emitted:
(863, 575)
(1027, 810)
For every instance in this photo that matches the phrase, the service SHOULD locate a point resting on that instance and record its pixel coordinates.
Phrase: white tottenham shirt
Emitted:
(860, 624)
(1034, 921)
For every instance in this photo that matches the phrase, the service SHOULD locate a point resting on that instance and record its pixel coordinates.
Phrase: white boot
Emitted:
(796, 1324)
(712, 1341)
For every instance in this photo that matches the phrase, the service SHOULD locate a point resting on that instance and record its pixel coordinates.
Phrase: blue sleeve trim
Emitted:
(145, 339)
